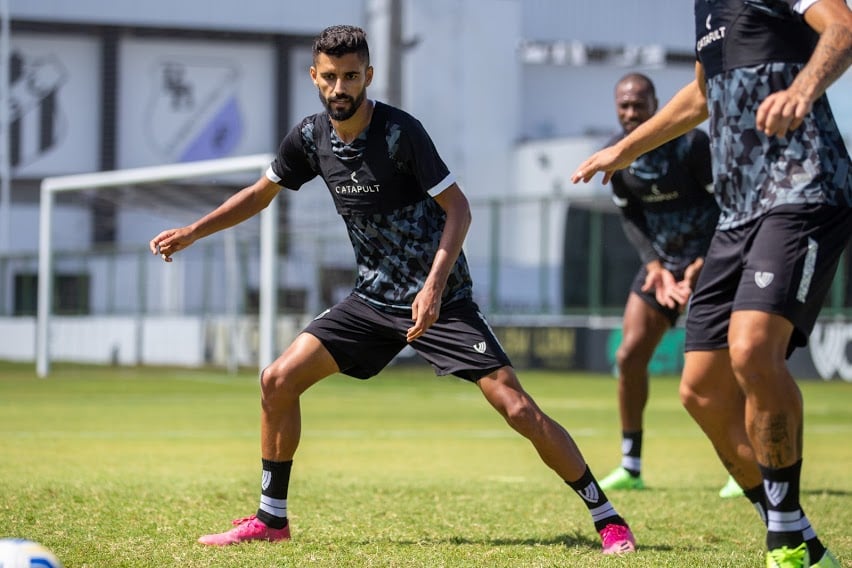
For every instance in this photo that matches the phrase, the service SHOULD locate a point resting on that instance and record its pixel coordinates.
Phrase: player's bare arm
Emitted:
(784, 111)
(242, 205)
(427, 303)
(686, 110)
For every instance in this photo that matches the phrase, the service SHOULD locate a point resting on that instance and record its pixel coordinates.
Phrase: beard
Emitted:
(630, 125)
(346, 112)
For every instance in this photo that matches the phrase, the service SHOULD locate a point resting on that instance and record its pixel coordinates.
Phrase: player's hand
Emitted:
(424, 311)
(608, 161)
(683, 289)
(664, 285)
(170, 241)
(680, 293)
(690, 274)
(782, 112)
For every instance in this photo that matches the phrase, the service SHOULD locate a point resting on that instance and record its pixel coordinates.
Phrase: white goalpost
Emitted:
(53, 186)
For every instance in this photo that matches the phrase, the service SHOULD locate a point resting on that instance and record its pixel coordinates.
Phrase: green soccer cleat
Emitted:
(785, 557)
(731, 489)
(827, 561)
(620, 478)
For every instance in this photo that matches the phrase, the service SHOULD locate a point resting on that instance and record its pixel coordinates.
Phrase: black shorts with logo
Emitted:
(782, 263)
(363, 340)
(650, 298)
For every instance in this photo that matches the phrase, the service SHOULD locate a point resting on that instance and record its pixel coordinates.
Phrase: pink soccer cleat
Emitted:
(617, 539)
(246, 529)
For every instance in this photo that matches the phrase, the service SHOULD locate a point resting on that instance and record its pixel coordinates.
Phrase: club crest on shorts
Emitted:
(480, 347)
(763, 279)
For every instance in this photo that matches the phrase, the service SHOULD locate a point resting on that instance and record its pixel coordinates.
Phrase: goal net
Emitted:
(219, 299)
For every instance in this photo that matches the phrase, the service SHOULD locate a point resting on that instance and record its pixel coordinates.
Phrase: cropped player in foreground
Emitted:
(668, 214)
(783, 179)
(407, 220)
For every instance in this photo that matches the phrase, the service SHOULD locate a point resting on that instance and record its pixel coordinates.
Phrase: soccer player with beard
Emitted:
(407, 220)
(783, 180)
(668, 213)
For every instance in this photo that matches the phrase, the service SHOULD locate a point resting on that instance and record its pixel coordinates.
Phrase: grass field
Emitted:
(113, 467)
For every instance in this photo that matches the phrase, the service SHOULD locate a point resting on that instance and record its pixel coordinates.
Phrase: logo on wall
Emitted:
(194, 113)
(36, 124)
(829, 345)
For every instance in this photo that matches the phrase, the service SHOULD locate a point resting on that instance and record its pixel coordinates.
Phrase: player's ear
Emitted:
(369, 75)
(313, 71)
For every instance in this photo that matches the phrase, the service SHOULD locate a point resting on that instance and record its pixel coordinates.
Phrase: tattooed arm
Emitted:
(784, 110)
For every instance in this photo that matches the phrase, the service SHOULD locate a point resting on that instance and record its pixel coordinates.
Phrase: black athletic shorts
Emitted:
(672, 314)
(363, 340)
(782, 263)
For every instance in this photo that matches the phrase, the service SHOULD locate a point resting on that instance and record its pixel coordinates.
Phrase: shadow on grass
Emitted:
(574, 540)
(715, 491)
(830, 492)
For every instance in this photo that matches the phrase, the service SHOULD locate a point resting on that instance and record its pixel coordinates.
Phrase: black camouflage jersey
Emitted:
(666, 200)
(382, 185)
(749, 49)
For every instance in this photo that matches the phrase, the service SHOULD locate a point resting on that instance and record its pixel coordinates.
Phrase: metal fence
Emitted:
(537, 257)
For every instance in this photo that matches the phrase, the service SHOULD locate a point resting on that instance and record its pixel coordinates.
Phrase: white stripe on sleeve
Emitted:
(802, 5)
(439, 187)
(271, 176)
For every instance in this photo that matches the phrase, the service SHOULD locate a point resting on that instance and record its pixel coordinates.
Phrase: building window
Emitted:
(70, 294)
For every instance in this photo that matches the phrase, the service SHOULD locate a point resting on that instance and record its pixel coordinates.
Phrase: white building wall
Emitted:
(491, 114)
(462, 82)
(291, 16)
(601, 22)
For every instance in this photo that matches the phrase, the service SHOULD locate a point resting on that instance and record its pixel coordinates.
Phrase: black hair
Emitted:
(342, 40)
(641, 78)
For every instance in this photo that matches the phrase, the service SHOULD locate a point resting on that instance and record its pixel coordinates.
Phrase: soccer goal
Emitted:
(163, 184)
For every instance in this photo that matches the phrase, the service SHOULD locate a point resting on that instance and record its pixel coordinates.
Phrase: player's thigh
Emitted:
(790, 263)
(708, 381)
(650, 296)
(462, 343)
(503, 390)
(360, 339)
(758, 340)
(304, 363)
(643, 327)
(709, 312)
(502, 380)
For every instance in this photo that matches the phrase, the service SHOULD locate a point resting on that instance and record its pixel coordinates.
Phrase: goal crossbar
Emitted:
(145, 175)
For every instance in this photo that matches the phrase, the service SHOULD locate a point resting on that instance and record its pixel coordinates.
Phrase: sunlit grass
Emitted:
(118, 467)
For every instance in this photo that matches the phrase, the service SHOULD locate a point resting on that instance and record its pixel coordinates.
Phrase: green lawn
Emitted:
(113, 467)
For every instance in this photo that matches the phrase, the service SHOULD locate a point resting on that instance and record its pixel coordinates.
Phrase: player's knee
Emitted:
(632, 357)
(751, 361)
(692, 400)
(521, 414)
(688, 397)
(629, 360)
(275, 384)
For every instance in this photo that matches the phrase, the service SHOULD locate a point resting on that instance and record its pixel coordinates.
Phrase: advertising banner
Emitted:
(188, 100)
(54, 118)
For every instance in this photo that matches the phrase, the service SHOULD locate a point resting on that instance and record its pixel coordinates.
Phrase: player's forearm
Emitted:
(638, 239)
(686, 110)
(241, 206)
(450, 247)
(830, 59)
